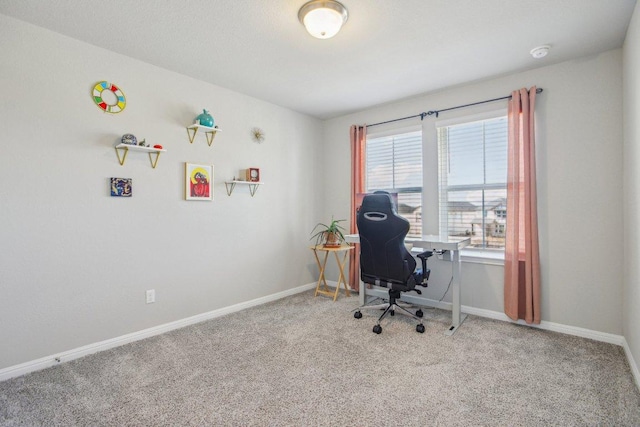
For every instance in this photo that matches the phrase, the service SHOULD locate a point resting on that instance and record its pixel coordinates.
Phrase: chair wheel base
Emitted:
(357, 314)
(377, 329)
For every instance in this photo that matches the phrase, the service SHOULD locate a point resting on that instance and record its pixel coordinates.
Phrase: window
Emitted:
(472, 181)
(394, 164)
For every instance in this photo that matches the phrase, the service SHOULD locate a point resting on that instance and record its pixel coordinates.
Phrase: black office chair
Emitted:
(384, 259)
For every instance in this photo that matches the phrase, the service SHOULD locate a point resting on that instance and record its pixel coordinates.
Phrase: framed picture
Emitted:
(198, 182)
(121, 187)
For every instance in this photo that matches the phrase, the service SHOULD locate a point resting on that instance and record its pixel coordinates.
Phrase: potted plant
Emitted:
(330, 236)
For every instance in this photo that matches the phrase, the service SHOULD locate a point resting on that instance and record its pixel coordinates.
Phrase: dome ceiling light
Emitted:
(323, 18)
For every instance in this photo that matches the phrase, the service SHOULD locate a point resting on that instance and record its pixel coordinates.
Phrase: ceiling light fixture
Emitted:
(540, 51)
(323, 18)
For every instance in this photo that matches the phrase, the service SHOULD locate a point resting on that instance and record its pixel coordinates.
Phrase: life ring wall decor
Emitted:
(120, 103)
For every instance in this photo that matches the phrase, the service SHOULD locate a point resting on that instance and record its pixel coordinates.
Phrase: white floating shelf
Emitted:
(253, 186)
(149, 150)
(141, 148)
(209, 132)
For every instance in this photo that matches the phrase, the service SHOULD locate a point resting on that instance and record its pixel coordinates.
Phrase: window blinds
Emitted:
(472, 181)
(394, 164)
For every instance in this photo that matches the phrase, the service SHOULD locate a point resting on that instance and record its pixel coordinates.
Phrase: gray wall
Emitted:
(632, 187)
(579, 149)
(75, 262)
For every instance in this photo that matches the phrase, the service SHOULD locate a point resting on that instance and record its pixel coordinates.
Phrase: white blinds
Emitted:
(394, 164)
(472, 181)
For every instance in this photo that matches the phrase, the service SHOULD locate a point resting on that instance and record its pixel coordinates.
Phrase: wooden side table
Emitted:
(321, 265)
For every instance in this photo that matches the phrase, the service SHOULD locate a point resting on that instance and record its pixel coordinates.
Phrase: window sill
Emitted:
(479, 256)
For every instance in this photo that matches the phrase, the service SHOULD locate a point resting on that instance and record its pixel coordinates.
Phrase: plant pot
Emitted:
(332, 240)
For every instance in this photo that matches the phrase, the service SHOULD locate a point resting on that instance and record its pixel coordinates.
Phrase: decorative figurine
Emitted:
(129, 139)
(205, 119)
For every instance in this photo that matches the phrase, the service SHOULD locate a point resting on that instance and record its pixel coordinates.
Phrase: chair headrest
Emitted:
(380, 201)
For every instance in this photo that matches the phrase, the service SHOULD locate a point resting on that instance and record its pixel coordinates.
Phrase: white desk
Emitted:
(429, 242)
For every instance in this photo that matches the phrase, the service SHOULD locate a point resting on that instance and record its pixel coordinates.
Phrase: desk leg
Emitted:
(321, 266)
(362, 287)
(341, 278)
(457, 317)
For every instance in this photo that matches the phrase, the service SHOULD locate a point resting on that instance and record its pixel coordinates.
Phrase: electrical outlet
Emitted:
(151, 296)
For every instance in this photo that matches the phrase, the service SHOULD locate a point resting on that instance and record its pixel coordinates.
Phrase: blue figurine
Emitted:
(205, 119)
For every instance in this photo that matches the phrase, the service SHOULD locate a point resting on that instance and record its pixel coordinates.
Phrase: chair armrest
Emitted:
(425, 271)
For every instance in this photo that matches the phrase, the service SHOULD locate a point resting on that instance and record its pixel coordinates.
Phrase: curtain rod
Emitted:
(437, 112)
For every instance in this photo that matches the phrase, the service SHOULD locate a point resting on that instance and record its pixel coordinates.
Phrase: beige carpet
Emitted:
(305, 361)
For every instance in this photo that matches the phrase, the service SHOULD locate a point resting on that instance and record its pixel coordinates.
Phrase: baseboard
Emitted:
(632, 363)
(48, 361)
(549, 326)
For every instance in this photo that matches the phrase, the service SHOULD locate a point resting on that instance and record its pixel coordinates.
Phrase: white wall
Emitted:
(579, 149)
(75, 262)
(631, 291)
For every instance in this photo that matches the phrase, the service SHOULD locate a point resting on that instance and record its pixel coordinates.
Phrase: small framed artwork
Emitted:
(198, 182)
(121, 187)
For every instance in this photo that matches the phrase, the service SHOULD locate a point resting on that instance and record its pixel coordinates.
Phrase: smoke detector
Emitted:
(540, 51)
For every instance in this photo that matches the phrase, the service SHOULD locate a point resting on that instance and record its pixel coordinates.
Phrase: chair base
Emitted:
(392, 307)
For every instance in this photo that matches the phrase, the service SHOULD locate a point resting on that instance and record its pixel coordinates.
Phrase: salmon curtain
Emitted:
(522, 257)
(358, 136)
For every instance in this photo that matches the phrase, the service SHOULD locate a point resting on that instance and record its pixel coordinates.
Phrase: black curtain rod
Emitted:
(437, 112)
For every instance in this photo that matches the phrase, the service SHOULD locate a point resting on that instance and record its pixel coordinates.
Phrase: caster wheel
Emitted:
(357, 315)
(393, 313)
(420, 329)
(377, 329)
(419, 313)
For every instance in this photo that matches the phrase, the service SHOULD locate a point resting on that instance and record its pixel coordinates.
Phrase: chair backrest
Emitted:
(383, 255)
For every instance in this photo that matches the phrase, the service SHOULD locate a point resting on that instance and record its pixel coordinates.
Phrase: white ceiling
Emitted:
(388, 49)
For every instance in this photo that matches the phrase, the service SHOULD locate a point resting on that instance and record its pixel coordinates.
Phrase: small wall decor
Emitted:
(115, 101)
(121, 187)
(204, 119)
(198, 182)
(129, 139)
(257, 134)
(252, 174)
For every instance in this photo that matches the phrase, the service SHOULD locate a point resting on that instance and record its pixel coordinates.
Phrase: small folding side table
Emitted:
(321, 265)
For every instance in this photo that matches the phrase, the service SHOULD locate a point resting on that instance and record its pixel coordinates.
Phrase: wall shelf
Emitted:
(253, 186)
(209, 132)
(150, 150)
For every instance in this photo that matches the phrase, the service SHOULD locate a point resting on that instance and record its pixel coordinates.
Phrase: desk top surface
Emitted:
(428, 241)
